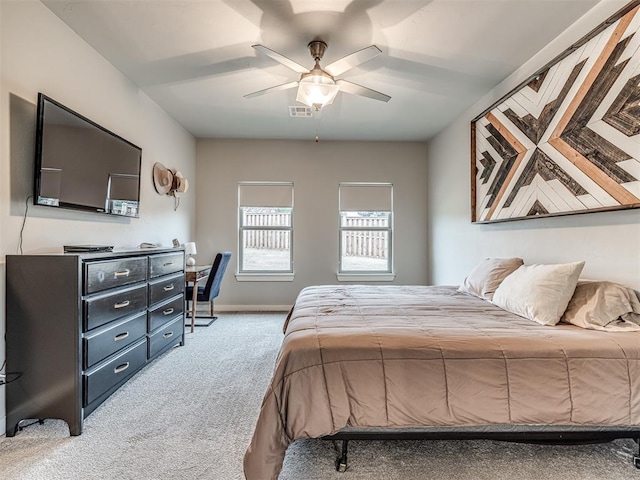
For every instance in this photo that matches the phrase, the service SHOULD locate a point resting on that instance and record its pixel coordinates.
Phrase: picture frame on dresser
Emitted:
(80, 325)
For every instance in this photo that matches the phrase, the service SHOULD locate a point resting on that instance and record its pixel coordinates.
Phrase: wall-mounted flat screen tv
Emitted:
(83, 166)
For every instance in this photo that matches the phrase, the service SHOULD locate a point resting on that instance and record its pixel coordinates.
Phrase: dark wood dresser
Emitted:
(80, 325)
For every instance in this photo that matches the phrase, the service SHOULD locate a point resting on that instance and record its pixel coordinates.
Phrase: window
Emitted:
(265, 228)
(366, 227)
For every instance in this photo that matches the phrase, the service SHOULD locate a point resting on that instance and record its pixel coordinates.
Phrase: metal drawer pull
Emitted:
(168, 264)
(168, 311)
(121, 336)
(167, 335)
(121, 368)
(123, 273)
(122, 304)
(168, 288)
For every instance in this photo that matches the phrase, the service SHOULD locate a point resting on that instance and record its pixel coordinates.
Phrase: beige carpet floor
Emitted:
(190, 415)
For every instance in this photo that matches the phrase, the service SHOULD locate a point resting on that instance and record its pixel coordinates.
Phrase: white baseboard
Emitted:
(3, 425)
(252, 308)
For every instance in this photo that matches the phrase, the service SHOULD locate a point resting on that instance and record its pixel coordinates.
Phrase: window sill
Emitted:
(265, 277)
(366, 277)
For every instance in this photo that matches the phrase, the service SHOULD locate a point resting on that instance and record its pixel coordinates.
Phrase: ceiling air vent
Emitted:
(299, 111)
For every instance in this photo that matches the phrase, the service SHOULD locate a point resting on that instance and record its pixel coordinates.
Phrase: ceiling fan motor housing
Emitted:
(318, 74)
(317, 49)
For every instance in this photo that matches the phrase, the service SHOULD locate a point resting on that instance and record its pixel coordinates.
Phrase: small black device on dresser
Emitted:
(87, 248)
(80, 325)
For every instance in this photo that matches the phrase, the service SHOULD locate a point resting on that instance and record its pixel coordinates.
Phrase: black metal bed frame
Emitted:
(553, 437)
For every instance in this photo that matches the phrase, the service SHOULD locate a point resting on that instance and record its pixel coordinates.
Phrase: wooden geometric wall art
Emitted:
(568, 139)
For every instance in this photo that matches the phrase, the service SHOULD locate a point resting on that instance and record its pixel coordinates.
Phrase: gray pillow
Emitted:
(603, 306)
(485, 278)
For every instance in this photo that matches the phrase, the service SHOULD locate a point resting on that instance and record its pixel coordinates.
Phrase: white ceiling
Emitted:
(194, 58)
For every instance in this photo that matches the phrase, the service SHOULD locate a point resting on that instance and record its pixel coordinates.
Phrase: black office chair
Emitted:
(211, 289)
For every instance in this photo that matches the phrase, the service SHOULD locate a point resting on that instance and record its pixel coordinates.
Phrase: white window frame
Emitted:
(366, 275)
(263, 275)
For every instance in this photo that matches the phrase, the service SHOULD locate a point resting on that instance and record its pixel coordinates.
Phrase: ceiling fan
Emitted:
(318, 87)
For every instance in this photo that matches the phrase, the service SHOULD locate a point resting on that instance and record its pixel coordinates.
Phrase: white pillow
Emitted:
(539, 292)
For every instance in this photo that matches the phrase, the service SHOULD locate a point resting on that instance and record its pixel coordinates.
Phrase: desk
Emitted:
(193, 274)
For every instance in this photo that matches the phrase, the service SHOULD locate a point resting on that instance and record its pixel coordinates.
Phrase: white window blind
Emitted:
(366, 197)
(265, 195)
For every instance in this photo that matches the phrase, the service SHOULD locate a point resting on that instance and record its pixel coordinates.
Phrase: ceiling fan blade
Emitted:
(284, 86)
(354, 88)
(353, 60)
(287, 62)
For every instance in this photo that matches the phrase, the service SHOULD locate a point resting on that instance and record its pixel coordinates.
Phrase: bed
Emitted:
(433, 362)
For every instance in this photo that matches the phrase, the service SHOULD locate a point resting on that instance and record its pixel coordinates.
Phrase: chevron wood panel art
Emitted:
(568, 141)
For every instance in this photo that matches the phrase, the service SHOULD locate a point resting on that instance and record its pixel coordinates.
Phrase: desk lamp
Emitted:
(190, 251)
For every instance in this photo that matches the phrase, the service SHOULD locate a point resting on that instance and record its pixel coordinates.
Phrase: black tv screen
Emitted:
(84, 166)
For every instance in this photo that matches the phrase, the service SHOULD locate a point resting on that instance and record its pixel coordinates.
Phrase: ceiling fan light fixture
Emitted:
(318, 87)
(317, 91)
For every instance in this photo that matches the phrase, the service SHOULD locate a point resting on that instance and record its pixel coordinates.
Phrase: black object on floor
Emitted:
(205, 321)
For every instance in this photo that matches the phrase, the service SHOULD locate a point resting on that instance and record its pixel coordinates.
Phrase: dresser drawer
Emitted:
(165, 264)
(166, 311)
(166, 287)
(105, 376)
(100, 276)
(105, 308)
(106, 341)
(169, 334)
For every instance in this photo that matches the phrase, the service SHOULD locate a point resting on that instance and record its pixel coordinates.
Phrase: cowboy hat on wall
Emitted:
(180, 184)
(169, 182)
(162, 178)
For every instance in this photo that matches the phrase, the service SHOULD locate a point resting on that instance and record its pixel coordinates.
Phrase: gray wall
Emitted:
(609, 242)
(316, 169)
